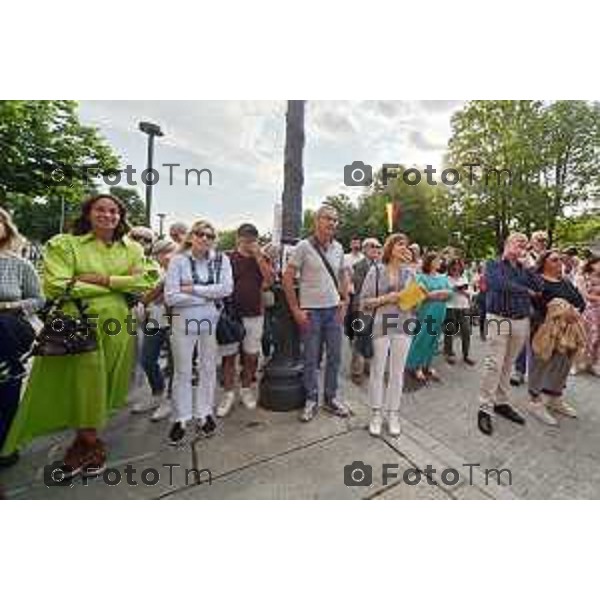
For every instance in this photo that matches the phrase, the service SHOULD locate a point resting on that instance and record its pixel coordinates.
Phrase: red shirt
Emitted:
(247, 285)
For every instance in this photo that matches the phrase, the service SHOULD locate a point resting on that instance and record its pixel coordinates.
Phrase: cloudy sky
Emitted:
(242, 143)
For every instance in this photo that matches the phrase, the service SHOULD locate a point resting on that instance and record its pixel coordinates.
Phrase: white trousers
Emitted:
(395, 347)
(182, 345)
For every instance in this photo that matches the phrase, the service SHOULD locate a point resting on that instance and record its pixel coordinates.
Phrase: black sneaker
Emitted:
(8, 461)
(517, 379)
(209, 426)
(177, 433)
(484, 422)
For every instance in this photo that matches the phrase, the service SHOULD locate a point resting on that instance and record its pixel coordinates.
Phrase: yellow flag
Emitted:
(389, 208)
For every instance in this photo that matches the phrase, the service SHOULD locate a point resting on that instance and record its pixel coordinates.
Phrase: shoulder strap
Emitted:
(195, 277)
(315, 244)
(218, 262)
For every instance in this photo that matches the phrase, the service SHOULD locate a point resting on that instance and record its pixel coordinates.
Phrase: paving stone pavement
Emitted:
(266, 455)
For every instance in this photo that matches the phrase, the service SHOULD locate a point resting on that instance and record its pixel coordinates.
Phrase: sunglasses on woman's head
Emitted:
(207, 235)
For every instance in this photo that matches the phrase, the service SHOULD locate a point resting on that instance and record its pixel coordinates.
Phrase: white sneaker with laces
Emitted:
(225, 404)
(539, 411)
(163, 410)
(561, 406)
(145, 404)
(394, 424)
(248, 398)
(376, 423)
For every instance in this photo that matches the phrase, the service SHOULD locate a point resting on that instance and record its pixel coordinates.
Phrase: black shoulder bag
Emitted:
(63, 334)
(230, 327)
(364, 341)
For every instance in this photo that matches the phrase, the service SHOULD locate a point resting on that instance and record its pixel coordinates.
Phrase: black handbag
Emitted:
(230, 327)
(64, 334)
(364, 341)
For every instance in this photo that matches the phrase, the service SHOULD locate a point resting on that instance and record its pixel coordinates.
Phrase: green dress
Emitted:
(81, 391)
(424, 345)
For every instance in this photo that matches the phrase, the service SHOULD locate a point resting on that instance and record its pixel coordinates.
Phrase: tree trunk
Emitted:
(293, 172)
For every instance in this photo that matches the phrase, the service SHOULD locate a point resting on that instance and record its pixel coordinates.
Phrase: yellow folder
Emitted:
(412, 295)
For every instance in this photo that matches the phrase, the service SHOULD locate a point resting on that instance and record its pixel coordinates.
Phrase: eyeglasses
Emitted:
(207, 235)
(142, 239)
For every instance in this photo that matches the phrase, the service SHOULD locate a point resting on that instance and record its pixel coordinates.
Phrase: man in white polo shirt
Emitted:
(318, 262)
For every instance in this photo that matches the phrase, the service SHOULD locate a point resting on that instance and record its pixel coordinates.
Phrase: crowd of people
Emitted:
(197, 309)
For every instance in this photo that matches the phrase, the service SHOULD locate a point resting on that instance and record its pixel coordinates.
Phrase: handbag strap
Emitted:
(377, 274)
(315, 244)
(214, 270)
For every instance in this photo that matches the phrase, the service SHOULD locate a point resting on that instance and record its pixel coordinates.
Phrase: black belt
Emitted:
(513, 317)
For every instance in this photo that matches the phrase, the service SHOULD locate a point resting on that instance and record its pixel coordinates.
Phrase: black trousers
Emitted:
(457, 324)
(14, 337)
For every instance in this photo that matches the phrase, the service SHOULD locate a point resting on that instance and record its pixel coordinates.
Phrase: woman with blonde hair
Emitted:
(197, 279)
(380, 294)
(20, 296)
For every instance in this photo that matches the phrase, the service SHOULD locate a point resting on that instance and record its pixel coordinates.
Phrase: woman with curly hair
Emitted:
(430, 317)
(550, 366)
(98, 264)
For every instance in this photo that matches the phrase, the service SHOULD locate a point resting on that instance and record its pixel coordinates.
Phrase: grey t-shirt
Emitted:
(317, 289)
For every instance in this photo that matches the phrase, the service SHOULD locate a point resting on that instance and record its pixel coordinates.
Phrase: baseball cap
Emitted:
(247, 230)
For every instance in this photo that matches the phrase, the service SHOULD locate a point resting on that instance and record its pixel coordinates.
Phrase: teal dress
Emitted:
(424, 344)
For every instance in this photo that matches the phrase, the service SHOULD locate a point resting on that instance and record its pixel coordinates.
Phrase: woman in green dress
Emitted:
(430, 317)
(81, 391)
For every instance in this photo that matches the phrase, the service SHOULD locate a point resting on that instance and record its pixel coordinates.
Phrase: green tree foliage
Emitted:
(227, 240)
(45, 154)
(136, 209)
(534, 161)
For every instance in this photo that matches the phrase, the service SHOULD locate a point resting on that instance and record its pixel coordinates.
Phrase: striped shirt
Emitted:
(19, 283)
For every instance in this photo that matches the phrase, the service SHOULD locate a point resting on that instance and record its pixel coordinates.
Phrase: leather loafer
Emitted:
(484, 422)
(508, 412)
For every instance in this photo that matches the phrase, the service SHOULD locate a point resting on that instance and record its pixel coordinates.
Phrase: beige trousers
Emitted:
(506, 338)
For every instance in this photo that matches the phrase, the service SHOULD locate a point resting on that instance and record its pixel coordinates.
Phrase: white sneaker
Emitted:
(561, 406)
(144, 405)
(376, 423)
(225, 404)
(394, 424)
(163, 410)
(539, 411)
(248, 397)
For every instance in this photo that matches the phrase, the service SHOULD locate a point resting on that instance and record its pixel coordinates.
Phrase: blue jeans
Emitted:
(323, 329)
(151, 347)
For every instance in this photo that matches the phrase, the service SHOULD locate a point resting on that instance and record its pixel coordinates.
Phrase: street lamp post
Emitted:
(281, 387)
(161, 217)
(151, 130)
